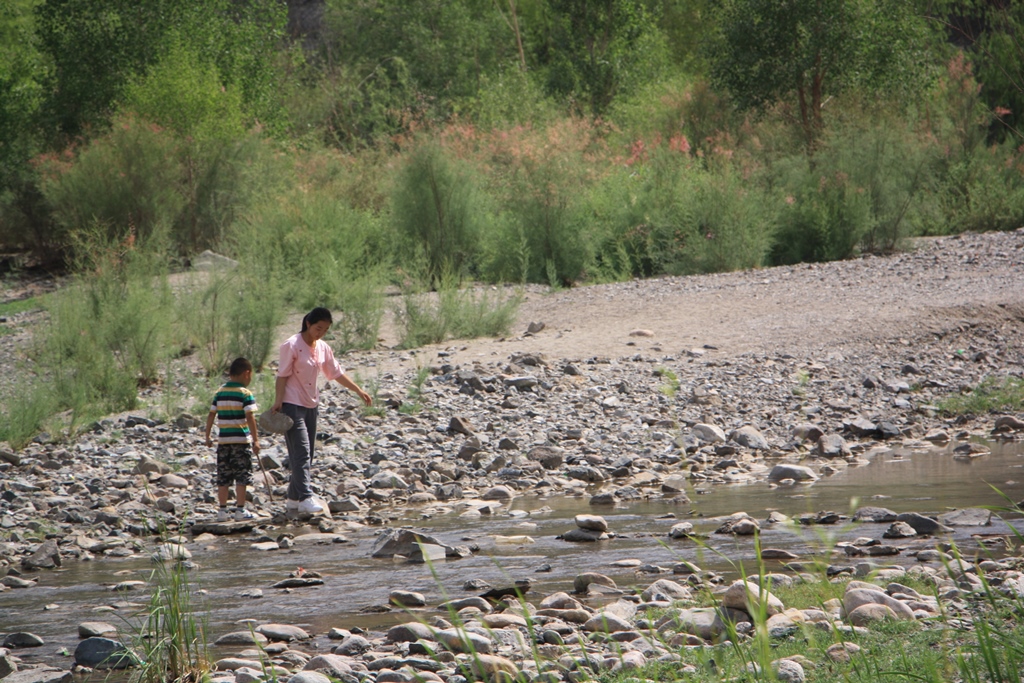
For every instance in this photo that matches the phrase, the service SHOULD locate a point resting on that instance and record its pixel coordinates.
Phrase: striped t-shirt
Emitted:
(231, 403)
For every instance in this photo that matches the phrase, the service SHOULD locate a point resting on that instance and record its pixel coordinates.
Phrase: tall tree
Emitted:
(21, 71)
(98, 46)
(992, 33)
(810, 50)
(686, 23)
(595, 49)
(446, 44)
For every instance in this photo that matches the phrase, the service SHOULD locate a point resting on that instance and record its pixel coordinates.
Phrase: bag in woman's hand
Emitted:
(275, 423)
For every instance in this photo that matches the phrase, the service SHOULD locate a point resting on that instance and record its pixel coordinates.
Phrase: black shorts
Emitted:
(234, 464)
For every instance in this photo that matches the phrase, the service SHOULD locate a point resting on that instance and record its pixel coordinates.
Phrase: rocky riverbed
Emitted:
(611, 396)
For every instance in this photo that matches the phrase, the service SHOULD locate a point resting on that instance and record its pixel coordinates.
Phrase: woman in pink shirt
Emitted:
(303, 357)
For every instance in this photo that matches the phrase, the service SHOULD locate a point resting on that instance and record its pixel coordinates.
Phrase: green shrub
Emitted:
(105, 337)
(142, 179)
(479, 313)
(548, 222)
(350, 107)
(675, 107)
(226, 314)
(124, 181)
(438, 210)
(640, 211)
(75, 355)
(867, 188)
(825, 219)
(670, 215)
(732, 226)
(419, 320)
(203, 305)
(316, 245)
(539, 178)
(361, 301)
(255, 313)
(185, 94)
(427, 318)
(984, 191)
(128, 298)
(26, 409)
(510, 97)
(169, 639)
(990, 395)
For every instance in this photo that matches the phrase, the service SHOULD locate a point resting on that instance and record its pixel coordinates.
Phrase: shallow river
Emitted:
(926, 482)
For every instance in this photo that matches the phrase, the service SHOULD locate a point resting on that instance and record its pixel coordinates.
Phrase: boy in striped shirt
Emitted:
(234, 409)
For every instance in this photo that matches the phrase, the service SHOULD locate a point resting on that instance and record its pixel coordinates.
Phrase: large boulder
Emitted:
(857, 597)
(330, 664)
(581, 584)
(926, 526)
(46, 556)
(751, 598)
(794, 472)
(749, 437)
(103, 653)
(404, 542)
(282, 632)
(708, 623)
(410, 632)
(492, 668)
(667, 590)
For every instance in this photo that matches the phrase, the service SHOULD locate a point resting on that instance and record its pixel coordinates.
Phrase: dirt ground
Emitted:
(805, 310)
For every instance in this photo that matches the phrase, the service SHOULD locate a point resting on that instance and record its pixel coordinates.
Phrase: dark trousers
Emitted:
(301, 439)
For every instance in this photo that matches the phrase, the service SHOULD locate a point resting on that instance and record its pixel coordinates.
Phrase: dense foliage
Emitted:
(555, 141)
(336, 148)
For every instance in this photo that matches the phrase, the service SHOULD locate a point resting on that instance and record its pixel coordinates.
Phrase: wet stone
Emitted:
(22, 639)
(282, 632)
(88, 629)
(103, 653)
(874, 514)
(899, 530)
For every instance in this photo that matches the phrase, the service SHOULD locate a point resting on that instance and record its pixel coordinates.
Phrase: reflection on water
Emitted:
(928, 482)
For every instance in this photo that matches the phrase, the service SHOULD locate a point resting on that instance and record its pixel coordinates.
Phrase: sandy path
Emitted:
(803, 310)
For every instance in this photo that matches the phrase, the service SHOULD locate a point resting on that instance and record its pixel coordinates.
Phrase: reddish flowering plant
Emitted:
(679, 143)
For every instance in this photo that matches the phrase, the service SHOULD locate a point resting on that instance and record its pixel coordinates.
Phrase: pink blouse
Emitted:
(301, 363)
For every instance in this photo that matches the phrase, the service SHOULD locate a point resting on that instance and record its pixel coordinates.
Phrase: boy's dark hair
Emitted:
(316, 315)
(238, 366)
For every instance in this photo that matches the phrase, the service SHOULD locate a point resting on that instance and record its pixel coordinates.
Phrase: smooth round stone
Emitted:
(403, 598)
(333, 665)
(23, 639)
(353, 646)
(409, 633)
(90, 629)
(680, 530)
(309, 677)
(235, 663)
(583, 581)
(282, 632)
(865, 615)
(103, 653)
(591, 522)
(242, 638)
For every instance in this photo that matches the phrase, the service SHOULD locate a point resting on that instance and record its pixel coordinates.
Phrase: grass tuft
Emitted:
(993, 394)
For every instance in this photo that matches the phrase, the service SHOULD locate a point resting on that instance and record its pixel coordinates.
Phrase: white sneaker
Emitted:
(310, 507)
(241, 514)
(290, 504)
(222, 515)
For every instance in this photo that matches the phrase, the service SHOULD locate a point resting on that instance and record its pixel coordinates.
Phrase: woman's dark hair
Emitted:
(316, 315)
